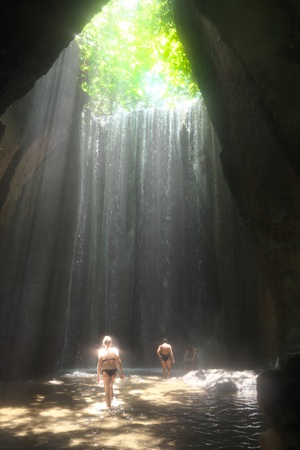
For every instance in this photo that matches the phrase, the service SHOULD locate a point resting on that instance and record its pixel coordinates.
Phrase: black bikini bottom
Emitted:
(165, 357)
(110, 372)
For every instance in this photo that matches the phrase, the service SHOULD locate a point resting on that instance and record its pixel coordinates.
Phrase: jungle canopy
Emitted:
(132, 58)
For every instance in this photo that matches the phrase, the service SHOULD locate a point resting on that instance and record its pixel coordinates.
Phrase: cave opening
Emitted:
(132, 58)
(122, 224)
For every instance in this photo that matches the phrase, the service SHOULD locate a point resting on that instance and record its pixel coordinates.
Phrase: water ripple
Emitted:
(148, 413)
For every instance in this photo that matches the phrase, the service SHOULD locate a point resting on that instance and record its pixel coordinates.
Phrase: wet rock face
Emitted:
(243, 57)
(261, 38)
(38, 170)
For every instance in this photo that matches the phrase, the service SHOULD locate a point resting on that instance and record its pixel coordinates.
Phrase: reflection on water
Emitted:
(148, 413)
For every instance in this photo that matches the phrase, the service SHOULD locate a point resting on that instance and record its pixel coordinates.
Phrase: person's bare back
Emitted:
(165, 353)
(165, 349)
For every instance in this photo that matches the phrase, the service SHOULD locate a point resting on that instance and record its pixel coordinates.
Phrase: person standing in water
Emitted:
(109, 363)
(165, 354)
(189, 360)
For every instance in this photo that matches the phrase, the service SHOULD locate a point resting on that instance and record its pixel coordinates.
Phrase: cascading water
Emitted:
(143, 248)
(121, 225)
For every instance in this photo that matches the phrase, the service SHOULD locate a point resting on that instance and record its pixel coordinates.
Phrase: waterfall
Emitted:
(142, 236)
(119, 225)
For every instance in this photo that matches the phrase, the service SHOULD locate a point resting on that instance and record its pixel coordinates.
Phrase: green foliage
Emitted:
(132, 58)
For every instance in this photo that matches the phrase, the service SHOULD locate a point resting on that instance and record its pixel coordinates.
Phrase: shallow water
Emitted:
(148, 412)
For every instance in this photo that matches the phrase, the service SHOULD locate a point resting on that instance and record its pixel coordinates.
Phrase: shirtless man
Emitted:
(165, 353)
(109, 363)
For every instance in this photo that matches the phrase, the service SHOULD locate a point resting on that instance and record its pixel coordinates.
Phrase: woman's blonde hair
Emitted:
(106, 340)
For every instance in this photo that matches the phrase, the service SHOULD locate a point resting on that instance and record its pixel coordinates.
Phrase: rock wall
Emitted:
(244, 57)
(39, 170)
(32, 36)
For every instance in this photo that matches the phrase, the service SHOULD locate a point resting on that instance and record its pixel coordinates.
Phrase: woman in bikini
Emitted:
(165, 353)
(109, 363)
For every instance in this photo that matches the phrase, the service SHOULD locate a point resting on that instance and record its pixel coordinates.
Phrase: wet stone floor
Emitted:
(148, 412)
